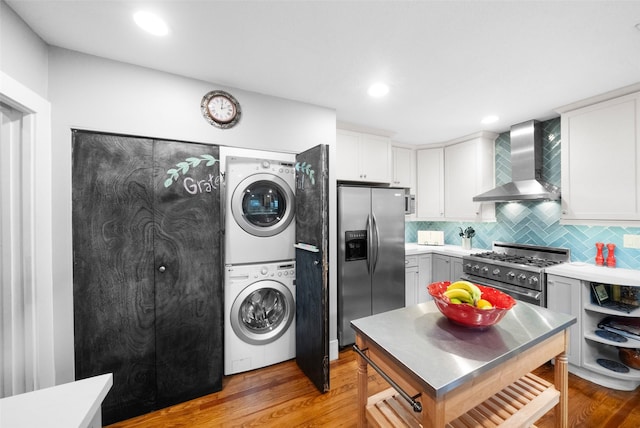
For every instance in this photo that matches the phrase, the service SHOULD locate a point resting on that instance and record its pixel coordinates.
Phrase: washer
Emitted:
(260, 209)
(259, 305)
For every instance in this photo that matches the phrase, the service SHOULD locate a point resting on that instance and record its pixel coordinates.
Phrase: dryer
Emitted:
(260, 209)
(259, 328)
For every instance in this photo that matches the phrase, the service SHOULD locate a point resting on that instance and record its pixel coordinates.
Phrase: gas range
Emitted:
(517, 269)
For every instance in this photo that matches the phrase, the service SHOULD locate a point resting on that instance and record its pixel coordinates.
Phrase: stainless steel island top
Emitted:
(444, 355)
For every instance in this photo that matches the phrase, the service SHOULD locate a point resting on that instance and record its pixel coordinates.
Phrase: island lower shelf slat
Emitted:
(518, 405)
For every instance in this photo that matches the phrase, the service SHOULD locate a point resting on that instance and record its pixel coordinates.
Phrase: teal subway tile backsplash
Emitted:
(536, 223)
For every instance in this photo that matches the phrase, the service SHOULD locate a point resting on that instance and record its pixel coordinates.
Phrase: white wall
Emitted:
(23, 87)
(97, 94)
(23, 55)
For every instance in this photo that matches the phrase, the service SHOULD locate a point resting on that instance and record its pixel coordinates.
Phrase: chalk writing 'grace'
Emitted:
(193, 186)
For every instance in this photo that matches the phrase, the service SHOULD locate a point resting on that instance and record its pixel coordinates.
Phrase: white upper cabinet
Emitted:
(448, 178)
(363, 157)
(403, 167)
(468, 171)
(601, 162)
(430, 183)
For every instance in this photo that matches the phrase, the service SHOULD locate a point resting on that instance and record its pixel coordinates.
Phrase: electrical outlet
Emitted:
(631, 241)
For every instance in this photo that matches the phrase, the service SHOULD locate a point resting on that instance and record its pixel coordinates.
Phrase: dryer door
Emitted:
(263, 204)
(262, 312)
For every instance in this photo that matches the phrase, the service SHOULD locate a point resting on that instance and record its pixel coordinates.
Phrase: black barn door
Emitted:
(312, 265)
(147, 278)
(113, 278)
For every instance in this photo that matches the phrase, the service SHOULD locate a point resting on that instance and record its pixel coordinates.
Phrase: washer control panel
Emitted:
(263, 271)
(284, 270)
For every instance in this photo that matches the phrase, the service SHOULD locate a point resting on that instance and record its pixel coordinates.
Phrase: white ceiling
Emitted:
(448, 63)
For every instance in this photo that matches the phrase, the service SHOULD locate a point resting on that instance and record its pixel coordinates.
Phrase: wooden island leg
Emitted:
(561, 382)
(363, 379)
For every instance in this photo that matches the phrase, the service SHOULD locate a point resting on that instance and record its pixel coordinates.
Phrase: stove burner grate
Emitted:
(517, 259)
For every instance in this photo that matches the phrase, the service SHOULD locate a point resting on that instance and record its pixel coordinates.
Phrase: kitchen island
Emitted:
(453, 372)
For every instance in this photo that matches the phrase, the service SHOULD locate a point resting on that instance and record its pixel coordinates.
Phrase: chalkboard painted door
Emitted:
(312, 266)
(188, 264)
(147, 272)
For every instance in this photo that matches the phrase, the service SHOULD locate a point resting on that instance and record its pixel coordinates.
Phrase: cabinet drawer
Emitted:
(410, 261)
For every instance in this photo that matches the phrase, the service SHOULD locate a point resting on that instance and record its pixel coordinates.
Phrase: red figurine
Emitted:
(599, 255)
(611, 258)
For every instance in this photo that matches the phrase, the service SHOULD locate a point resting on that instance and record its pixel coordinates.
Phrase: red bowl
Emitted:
(468, 315)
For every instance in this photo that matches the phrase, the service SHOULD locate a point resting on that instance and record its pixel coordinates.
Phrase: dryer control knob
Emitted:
(265, 164)
(264, 271)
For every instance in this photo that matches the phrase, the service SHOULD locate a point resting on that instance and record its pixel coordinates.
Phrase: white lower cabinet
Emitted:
(417, 278)
(573, 296)
(596, 348)
(563, 295)
(411, 280)
(446, 268)
(424, 277)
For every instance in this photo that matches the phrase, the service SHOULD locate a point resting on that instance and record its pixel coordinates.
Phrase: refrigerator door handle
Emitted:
(375, 243)
(369, 247)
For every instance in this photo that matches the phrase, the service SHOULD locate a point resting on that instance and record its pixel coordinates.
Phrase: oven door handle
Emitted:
(535, 296)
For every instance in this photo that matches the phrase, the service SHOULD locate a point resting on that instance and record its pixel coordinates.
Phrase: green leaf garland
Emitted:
(183, 167)
(305, 168)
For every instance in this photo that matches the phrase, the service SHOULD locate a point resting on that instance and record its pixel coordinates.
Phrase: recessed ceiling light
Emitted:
(151, 23)
(489, 119)
(378, 90)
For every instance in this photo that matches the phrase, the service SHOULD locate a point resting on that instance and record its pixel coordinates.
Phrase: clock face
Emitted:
(220, 109)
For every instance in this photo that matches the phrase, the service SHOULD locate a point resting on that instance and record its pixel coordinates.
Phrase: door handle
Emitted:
(162, 269)
(376, 243)
(369, 246)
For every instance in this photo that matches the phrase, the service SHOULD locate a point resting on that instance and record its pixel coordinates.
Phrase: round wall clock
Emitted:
(220, 109)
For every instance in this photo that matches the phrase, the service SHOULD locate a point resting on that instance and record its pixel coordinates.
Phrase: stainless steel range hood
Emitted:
(526, 169)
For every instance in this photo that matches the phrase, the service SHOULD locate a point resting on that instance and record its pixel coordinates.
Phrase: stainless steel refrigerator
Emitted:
(370, 254)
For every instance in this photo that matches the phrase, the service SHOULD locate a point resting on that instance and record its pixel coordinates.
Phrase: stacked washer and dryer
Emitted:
(259, 259)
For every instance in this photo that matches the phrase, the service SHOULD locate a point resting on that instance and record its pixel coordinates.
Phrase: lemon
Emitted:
(484, 304)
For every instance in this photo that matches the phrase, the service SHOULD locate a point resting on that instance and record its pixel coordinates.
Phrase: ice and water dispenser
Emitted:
(355, 245)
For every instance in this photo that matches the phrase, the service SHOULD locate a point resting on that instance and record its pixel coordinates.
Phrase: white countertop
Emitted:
(69, 405)
(448, 250)
(591, 272)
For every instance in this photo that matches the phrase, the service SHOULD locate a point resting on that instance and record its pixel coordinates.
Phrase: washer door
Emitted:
(263, 204)
(262, 312)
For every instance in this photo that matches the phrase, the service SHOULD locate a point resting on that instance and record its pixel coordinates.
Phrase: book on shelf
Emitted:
(622, 298)
(627, 327)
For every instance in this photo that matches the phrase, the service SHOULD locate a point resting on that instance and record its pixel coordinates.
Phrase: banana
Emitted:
(471, 288)
(460, 294)
(484, 304)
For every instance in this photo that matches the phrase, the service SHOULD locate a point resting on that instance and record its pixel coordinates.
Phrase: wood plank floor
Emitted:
(281, 396)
